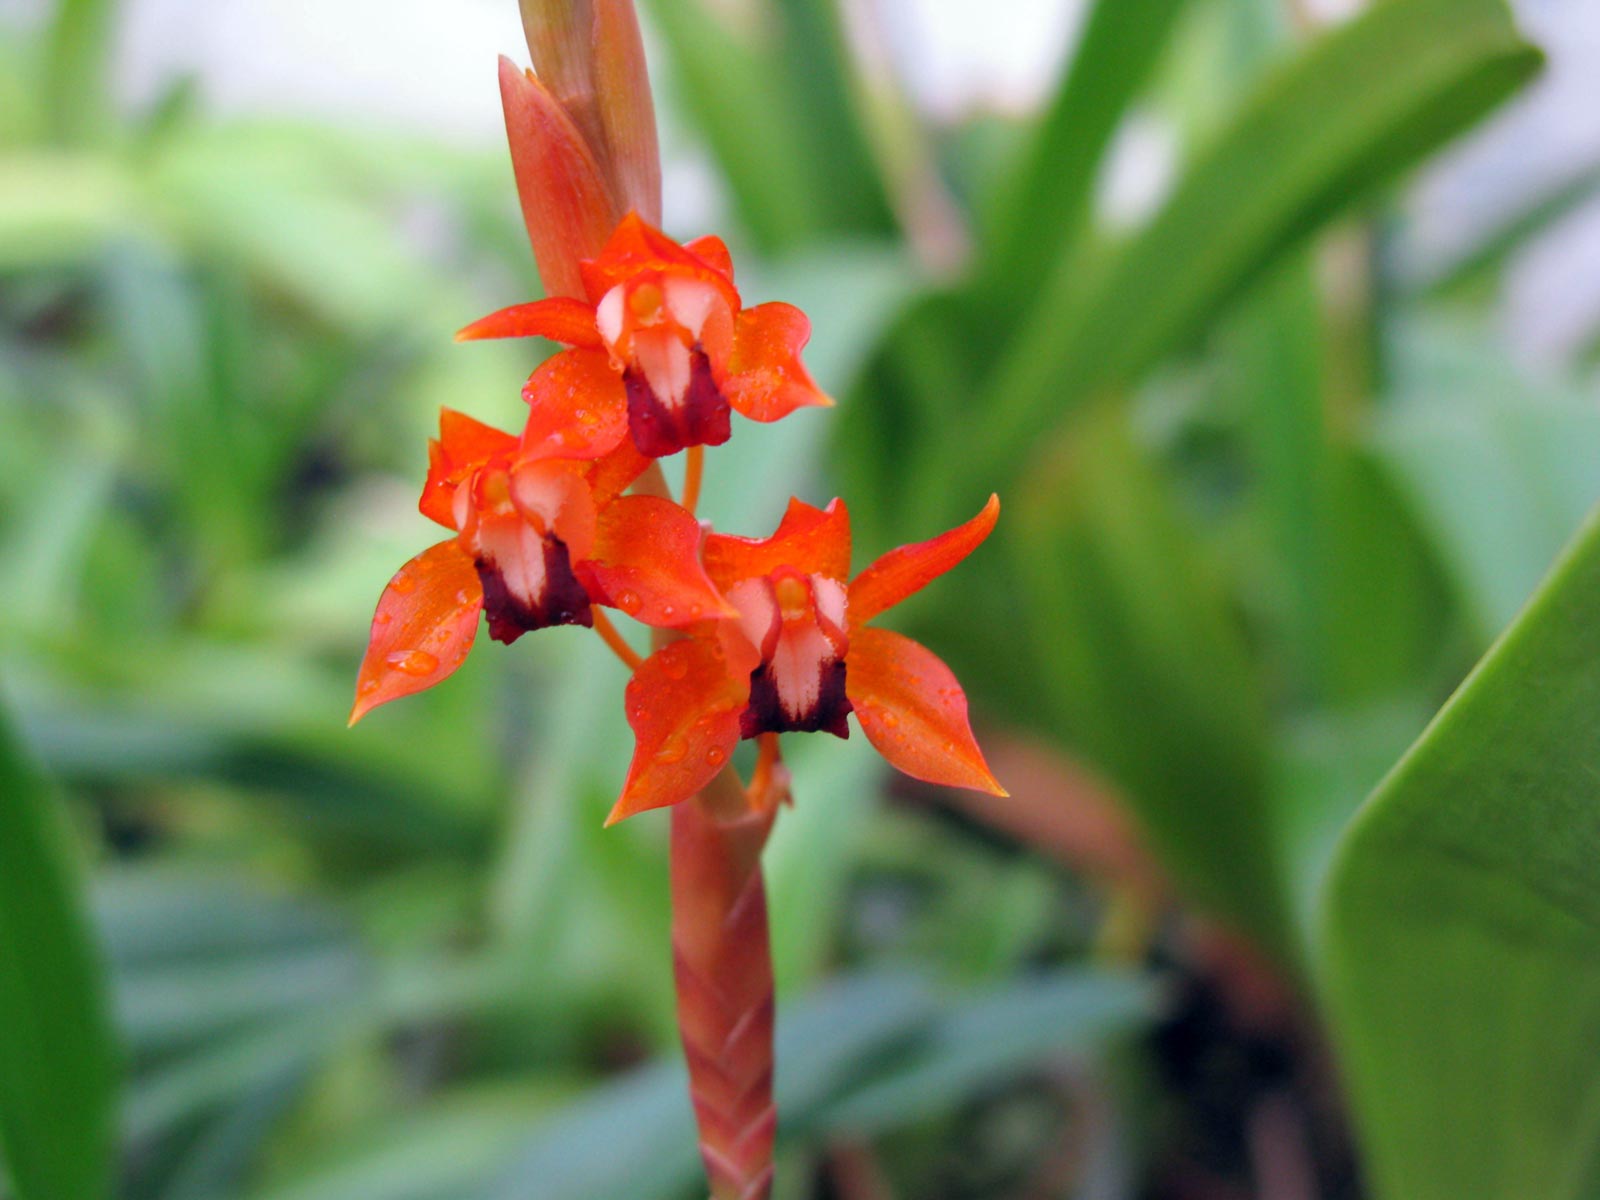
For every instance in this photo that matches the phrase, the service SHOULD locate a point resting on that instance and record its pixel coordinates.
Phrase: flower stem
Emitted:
(722, 963)
(608, 634)
(694, 462)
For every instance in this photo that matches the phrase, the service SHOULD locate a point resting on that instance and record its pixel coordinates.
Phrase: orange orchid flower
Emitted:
(664, 341)
(540, 539)
(800, 657)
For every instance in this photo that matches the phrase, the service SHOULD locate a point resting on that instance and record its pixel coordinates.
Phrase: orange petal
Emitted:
(424, 626)
(766, 379)
(813, 541)
(913, 711)
(713, 251)
(610, 475)
(558, 318)
(566, 205)
(638, 247)
(577, 407)
(647, 563)
(909, 569)
(684, 706)
(463, 446)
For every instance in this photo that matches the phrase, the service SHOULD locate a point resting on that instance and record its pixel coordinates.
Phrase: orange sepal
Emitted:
(565, 202)
(908, 569)
(463, 445)
(913, 711)
(577, 407)
(647, 563)
(637, 247)
(426, 620)
(714, 252)
(610, 475)
(684, 705)
(766, 379)
(813, 541)
(563, 319)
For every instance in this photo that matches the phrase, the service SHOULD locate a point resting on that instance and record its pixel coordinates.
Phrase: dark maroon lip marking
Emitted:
(564, 602)
(703, 420)
(765, 713)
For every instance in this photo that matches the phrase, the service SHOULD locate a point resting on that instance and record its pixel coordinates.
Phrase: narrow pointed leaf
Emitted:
(1357, 109)
(58, 1069)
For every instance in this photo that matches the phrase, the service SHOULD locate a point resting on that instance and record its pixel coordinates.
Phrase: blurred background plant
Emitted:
(1277, 466)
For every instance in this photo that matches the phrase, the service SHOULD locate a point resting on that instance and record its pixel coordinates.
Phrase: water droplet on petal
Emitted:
(672, 752)
(629, 602)
(368, 686)
(403, 583)
(413, 662)
(382, 619)
(889, 720)
(675, 667)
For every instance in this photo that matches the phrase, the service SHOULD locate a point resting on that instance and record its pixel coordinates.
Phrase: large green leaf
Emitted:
(1358, 108)
(58, 1069)
(1463, 923)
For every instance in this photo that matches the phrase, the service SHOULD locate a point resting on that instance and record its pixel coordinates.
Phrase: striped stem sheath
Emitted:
(722, 962)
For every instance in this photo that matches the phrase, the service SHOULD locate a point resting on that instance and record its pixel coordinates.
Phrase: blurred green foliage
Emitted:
(1266, 503)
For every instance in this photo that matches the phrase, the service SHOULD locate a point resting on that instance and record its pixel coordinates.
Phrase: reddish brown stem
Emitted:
(722, 962)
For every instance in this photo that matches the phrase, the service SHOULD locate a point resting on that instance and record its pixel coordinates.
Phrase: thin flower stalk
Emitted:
(722, 967)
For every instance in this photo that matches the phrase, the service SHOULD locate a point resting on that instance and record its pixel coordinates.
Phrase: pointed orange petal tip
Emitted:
(914, 712)
(563, 319)
(907, 570)
(425, 623)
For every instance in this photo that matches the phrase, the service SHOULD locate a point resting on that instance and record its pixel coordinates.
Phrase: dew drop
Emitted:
(890, 721)
(672, 752)
(403, 583)
(413, 662)
(675, 668)
(667, 610)
(716, 756)
(629, 602)
(696, 609)
(368, 686)
(382, 619)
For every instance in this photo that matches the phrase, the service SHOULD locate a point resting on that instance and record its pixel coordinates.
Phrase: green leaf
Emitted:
(58, 1061)
(1357, 109)
(732, 80)
(61, 208)
(1462, 923)
(78, 61)
(985, 1040)
(1143, 666)
(1042, 209)
(1500, 467)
